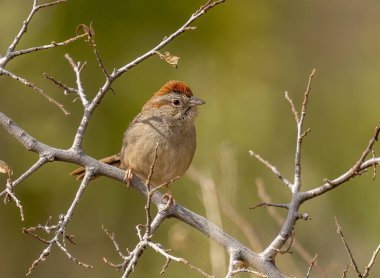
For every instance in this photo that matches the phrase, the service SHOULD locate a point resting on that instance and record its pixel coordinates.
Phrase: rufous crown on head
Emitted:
(175, 86)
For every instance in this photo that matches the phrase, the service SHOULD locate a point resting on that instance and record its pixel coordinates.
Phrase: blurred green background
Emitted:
(240, 60)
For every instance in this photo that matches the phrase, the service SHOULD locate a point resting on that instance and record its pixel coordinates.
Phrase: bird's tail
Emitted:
(113, 160)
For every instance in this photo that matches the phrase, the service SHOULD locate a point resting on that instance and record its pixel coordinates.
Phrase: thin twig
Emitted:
(344, 272)
(46, 46)
(11, 196)
(371, 262)
(35, 88)
(371, 142)
(149, 197)
(263, 195)
(62, 227)
(60, 85)
(285, 206)
(311, 266)
(374, 166)
(25, 24)
(331, 184)
(116, 245)
(306, 98)
(353, 262)
(300, 135)
(38, 164)
(245, 270)
(272, 168)
(287, 249)
(294, 110)
(158, 249)
(77, 68)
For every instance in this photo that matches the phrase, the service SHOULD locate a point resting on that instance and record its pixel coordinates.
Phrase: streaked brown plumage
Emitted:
(166, 119)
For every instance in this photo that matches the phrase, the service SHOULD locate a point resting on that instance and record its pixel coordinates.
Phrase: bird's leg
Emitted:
(128, 177)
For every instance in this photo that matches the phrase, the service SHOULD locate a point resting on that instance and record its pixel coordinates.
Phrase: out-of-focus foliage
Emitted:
(240, 60)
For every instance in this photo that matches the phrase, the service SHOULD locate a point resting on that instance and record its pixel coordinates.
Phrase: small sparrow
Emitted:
(166, 122)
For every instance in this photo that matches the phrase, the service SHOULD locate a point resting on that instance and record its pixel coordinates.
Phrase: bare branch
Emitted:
(371, 262)
(306, 96)
(331, 184)
(272, 168)
(71, 257)
(11, 196)
(340, 232)
(185, 27)
(112, 238)
(372, 141)
(60, 85)
(25, 24)
(245, 270)
(35, 88)
(374, 166)
(62, 228)
(300, 135)
(77, 68)
(344, 273)
(285, 206)
(158, 249)
(294, 110)
(99, 59)
(149, 196)
(311, 266)
(261, 192)
(41, 161)
(46, 46)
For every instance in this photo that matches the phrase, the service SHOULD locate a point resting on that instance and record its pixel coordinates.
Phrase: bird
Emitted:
(162, 135)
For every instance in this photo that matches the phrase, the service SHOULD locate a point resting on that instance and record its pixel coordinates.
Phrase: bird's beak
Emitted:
(194, 101)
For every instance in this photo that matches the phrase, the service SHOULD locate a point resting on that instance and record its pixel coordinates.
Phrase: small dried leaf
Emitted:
(84, 29)
(170, 59)
(5, 168)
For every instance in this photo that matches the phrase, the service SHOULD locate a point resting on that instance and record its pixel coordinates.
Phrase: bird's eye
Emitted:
(176, 102)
